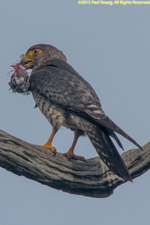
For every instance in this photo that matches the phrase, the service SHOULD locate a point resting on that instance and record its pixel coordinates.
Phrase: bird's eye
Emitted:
(36, 51)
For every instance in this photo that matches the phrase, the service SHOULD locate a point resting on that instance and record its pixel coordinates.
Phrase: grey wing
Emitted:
(65, 87)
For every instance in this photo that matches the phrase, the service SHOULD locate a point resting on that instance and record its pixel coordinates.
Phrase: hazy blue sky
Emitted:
(110, 47)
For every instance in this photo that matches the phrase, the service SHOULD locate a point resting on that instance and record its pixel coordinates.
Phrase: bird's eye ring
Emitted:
(36, 51)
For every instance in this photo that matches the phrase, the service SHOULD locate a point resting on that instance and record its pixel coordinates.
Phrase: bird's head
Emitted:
(40, 54)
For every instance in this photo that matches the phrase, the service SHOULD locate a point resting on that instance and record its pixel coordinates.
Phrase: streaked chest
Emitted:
(54, 114)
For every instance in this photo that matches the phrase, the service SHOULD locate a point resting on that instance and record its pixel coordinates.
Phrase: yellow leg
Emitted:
(49, 142)
(70, 154)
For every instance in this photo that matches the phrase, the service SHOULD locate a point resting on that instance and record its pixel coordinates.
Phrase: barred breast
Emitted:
(58, 116)
(55, 115)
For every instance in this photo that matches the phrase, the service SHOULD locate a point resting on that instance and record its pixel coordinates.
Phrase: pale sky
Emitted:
(110, 47)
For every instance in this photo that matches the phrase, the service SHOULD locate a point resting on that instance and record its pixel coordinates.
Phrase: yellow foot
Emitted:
(71, 155)
(53, 149)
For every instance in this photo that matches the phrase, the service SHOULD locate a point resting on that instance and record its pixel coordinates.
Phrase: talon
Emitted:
(54, 152)
(49, 142)
(53, 149)
(71, 155)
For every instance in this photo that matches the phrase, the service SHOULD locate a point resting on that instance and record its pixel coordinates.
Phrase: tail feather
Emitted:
(105, 122)
(107, 150)
(108, 123)
(112, 134)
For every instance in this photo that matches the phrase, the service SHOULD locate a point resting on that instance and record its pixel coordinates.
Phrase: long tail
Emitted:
(106, 122)
(107, 150)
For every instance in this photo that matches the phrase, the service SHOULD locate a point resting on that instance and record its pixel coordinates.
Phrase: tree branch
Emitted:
(91, 178)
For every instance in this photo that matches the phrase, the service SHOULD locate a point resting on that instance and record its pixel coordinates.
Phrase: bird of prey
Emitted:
(67, 99)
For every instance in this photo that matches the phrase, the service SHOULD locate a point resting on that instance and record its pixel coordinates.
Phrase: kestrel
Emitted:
(67, 99)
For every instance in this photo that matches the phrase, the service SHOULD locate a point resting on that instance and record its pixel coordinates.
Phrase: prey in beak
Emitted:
(26, 61)
(31, 56)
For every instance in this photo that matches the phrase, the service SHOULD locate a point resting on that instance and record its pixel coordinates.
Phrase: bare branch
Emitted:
(91, 178)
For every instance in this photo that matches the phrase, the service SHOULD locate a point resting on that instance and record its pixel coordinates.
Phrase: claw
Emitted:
(53, 149)
(70, 155)
(54, 152)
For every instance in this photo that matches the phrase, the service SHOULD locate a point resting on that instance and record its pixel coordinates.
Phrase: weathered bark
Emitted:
(91, 178)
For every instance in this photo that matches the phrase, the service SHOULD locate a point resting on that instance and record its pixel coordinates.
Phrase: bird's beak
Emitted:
(26, 61)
